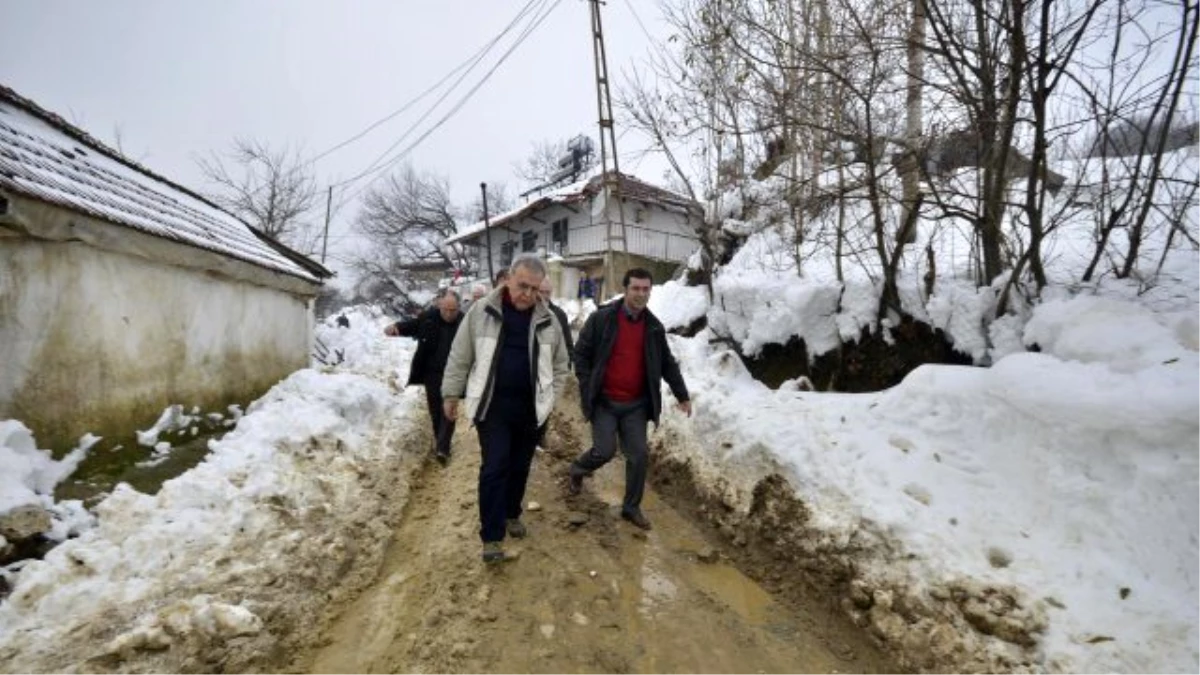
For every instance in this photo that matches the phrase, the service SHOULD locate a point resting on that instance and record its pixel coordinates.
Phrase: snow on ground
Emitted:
(258, 531)
(1070, 474)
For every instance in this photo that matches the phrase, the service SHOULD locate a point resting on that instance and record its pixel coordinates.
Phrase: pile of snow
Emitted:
(28, 480)
(259, 533)
(677, 305)
(1069, 474)
(362, 347)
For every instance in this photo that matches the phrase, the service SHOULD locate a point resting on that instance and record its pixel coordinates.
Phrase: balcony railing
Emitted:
(653, 244)
(638, 240)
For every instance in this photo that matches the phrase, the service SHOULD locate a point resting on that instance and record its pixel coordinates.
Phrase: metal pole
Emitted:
(487, 231)
(328, 209)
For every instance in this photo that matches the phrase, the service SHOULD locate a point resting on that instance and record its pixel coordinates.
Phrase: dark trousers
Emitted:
(443, 429)
(627, 421)
(507, 438)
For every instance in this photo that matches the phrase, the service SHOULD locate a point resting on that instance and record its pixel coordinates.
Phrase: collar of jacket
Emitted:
(629, 313)
(652, 322)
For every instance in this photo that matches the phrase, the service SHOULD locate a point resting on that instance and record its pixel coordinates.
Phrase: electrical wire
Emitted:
(377, 168)
(469, 64)
(639, 21)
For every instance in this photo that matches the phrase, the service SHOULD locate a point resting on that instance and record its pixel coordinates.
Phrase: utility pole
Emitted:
(608, 147)
(328, 211)
(487, 232)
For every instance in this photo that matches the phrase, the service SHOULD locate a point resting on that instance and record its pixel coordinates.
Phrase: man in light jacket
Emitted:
(507, 366)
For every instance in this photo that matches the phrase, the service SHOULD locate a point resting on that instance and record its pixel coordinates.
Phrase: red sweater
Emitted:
(625, 376)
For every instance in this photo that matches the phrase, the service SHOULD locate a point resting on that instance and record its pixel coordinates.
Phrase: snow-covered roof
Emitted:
(630, 188)
(45, 158)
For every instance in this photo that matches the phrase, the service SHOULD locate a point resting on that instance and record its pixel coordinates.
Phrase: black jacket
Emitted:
(566, 327)
(434, 337)
(595, 347)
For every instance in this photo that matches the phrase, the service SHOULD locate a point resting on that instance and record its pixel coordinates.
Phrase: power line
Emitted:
(639, 21)
(378, 170)
(474, 58)
(470, 61)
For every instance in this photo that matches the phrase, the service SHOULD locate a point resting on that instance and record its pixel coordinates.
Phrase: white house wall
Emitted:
(654, 232)
(101, 341)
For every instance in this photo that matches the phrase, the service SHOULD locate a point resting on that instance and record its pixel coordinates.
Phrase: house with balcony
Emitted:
(578, 228)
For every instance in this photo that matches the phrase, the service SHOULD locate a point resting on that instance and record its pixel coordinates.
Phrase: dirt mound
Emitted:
(959, 626)
(870, 363)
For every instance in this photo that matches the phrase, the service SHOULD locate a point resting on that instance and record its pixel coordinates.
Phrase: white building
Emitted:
(576, 221)
(122, 293)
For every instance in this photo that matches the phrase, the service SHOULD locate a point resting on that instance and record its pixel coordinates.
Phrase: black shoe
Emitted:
(575, 477)
(636, 518)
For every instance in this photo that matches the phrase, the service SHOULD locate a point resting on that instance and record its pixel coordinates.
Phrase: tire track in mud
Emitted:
(600, 596)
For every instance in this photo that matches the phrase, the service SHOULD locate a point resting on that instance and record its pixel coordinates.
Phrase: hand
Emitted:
(685, 407)
(450, 408)
(390, 331)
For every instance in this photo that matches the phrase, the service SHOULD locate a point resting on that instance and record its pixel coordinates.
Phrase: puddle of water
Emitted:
(104, 467)
(669, 560)
(735, 590)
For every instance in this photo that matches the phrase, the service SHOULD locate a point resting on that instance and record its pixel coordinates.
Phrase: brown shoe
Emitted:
(493, 552)
(575, 477)
(636, 518)
(516, 529)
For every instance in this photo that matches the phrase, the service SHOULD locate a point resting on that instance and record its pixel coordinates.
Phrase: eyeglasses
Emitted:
(525, 289)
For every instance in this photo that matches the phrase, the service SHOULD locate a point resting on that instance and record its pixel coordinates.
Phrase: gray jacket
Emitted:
(470, 369)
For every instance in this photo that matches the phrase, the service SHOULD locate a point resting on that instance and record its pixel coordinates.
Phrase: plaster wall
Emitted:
(101, 341)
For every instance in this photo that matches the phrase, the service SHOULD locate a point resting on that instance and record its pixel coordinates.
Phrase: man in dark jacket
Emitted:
(434, 331)
(544, 292)
(621, 359)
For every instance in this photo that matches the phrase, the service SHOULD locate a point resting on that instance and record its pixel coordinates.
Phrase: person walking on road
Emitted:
(507, 366)
(434, 330)
(621, 359)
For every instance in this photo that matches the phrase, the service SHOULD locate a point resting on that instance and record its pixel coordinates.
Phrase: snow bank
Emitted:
(774, 288)
(276, 519)
(1070, 475)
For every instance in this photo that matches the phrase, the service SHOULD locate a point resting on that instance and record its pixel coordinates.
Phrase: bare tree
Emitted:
(404, 221)
(271, 189)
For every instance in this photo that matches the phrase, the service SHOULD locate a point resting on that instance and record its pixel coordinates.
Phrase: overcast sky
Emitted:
(181, 79)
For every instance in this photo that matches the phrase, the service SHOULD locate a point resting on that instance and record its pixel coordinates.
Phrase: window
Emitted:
(558, 236)
(506, 253)
(529, 241)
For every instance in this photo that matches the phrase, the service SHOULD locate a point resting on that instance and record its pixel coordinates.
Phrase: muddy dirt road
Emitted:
(596, 596)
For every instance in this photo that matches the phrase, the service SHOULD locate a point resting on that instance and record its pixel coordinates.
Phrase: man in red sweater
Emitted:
(621, 359)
